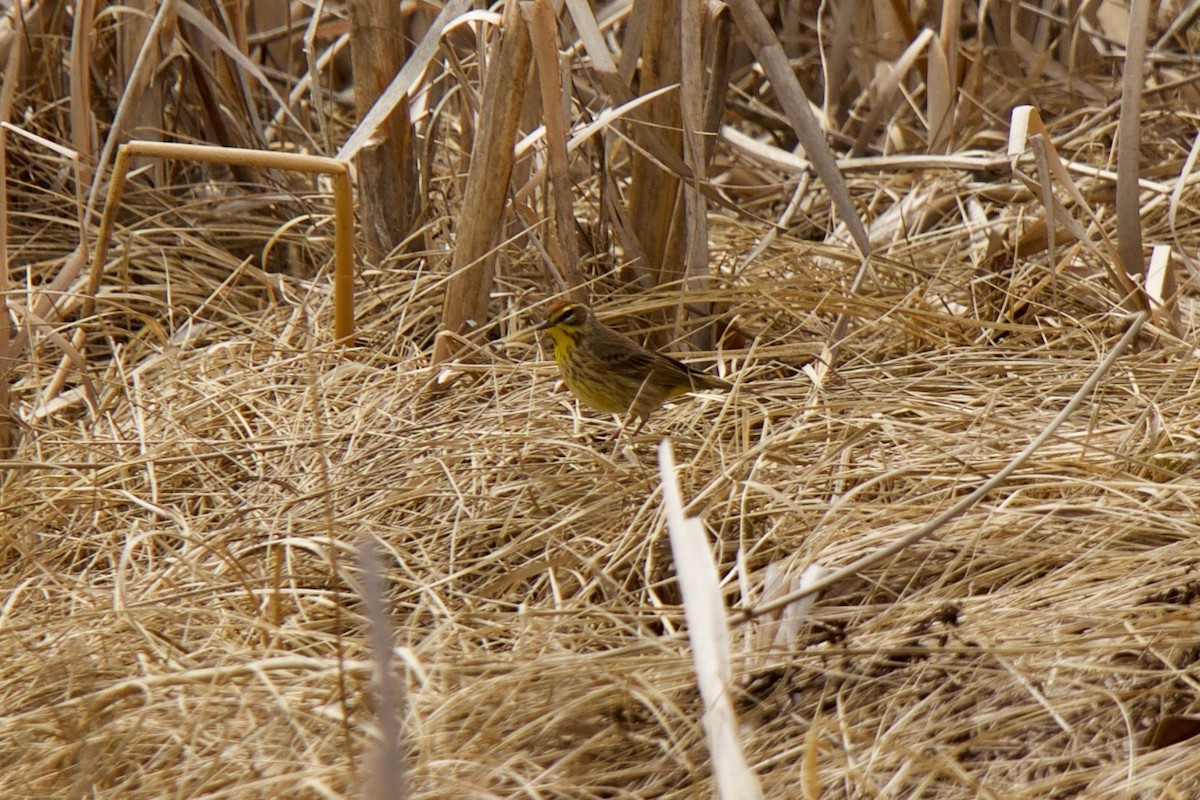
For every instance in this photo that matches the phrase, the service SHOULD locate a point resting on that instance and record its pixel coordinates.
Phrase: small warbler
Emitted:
(612, 373)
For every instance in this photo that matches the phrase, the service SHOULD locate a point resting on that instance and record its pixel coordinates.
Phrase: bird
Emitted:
(612, 373)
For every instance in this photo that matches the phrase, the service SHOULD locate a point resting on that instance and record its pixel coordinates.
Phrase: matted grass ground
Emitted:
(181, 606)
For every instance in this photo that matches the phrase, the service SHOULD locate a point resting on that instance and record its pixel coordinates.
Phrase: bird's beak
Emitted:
(547, 325)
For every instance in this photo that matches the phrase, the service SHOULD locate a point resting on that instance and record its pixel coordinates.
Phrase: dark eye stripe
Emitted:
(569, 315)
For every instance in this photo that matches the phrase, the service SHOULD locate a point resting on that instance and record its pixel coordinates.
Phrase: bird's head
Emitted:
(566, 320)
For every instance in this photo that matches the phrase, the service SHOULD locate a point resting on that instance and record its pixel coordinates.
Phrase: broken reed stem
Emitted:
(465, 309)
(388, 194)
(1129, 145)
(343, 261)
(561, 243)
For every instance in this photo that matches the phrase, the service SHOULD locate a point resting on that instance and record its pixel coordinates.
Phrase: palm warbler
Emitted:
(612, 373)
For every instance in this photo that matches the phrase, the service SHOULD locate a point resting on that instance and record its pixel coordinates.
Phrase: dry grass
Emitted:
(181, 610)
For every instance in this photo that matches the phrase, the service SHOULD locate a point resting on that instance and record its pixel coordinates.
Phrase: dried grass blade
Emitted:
(1048, 202)
(387, 778)
(544, 35)
(247, 67)
(1161, 291)
(143, 66)
(942, 81)
(603, 121)
(1185, 175)
(1027, 125)
(71, 354)
(656, 211)
(83, 132)
(764, 152)
(902, 17)
(774, 637)
(1129, 143)
(650, 144)
(718, 56)
(1182, 21)
(885, 89)
(404, 81)
(635, 35)
(8, 345)
(769, 52)
(835, 56)
(708, 633)
(695, 210)
(597, 51)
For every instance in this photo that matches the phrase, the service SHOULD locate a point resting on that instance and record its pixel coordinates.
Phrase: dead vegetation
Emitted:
(193, 466)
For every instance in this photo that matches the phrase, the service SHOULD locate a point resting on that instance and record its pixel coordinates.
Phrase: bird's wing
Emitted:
(662, 371)
(669, 371)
